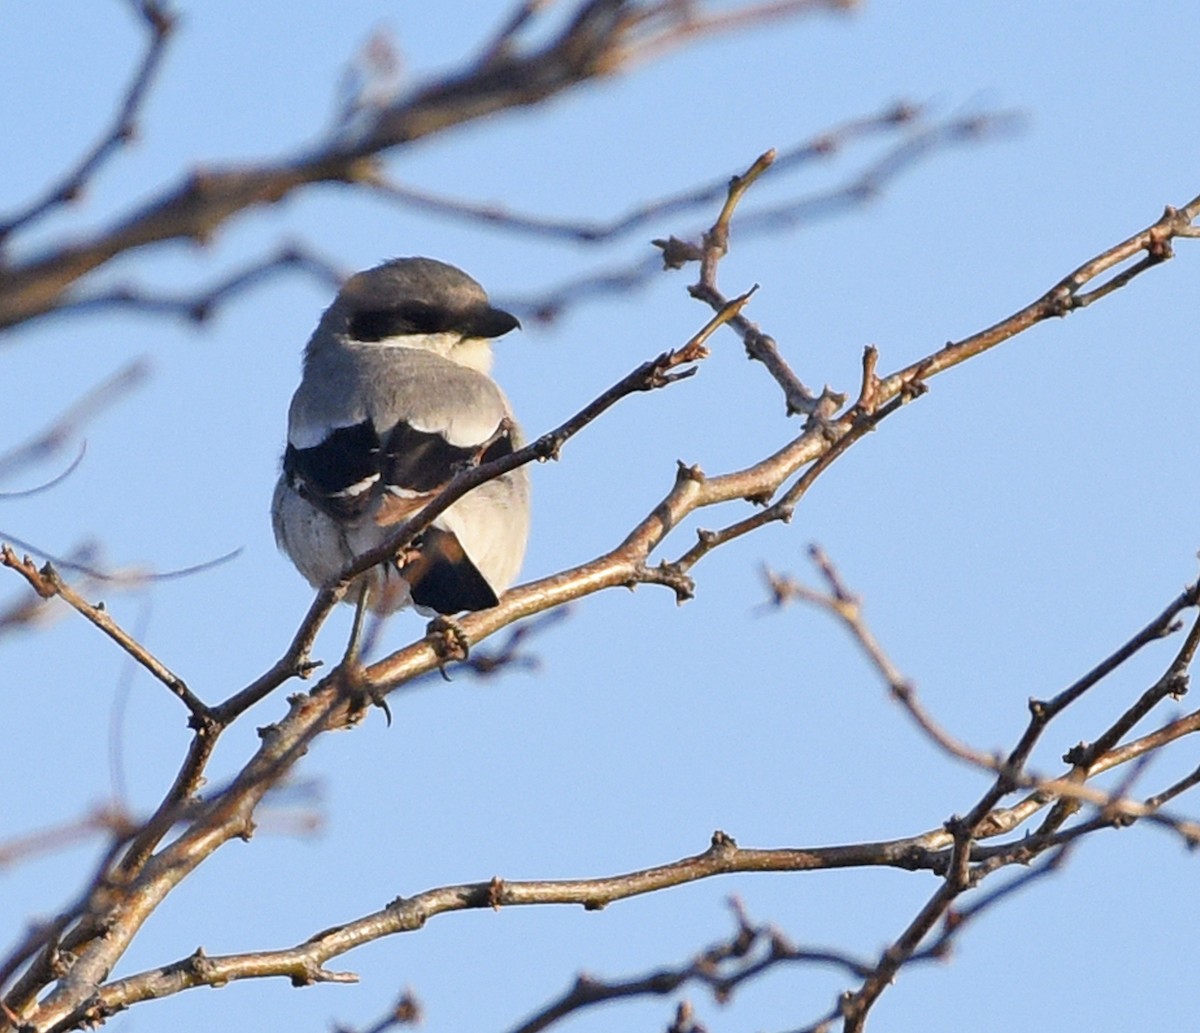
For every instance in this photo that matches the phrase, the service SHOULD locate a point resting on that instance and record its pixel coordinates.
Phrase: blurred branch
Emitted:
(82, 560)
(601, 38)
(683, 21)
(823, 146)
(68, 425)
(39, 948)
(57, 837)
(32, 608)
(123, 577)
(922, 142)
(405, 1012)
(199, 306)
(507, 37)
(305, 963)
(54, 481)
(859, 190)
(45, 947)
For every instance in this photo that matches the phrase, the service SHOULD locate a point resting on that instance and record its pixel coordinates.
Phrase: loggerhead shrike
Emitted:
(394, 399)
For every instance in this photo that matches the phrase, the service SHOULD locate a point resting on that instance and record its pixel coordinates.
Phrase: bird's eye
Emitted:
(411, 317)
(425, 319)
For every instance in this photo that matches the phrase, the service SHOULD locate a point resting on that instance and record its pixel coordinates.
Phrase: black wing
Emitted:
(421, 462)
(339, 474)
(342, 473)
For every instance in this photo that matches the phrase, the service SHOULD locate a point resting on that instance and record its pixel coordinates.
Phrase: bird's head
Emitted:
(416, 303)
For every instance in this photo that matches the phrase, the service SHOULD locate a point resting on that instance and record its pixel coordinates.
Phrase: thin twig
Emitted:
(125, 577)
(53, 482)
(748, 953)
(823, 146)
(1115, 807)
(48, 583)
(68, 424)
(1059, 300)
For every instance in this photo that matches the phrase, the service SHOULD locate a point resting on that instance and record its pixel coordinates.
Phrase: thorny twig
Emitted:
(969, 865)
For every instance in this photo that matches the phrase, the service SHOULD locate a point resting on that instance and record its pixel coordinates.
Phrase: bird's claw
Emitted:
(361, 694)
(449, 642)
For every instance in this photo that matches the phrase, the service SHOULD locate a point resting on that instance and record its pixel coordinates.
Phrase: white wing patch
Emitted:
(463, 428)
(309, 435)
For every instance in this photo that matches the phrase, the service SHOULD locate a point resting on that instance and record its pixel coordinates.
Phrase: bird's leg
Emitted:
(351, 658)
(352, 662)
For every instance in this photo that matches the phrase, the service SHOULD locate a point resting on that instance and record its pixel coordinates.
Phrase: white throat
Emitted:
(473, 352)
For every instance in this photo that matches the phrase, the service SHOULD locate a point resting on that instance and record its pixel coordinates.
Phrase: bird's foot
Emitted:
(360, 694)
(448, 640)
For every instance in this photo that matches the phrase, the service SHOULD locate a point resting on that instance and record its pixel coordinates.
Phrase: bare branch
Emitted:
(488, 663)
(306, 961)
(1115, 808)
(51, 995)
(623, 565)
(657, 373)
(846, 606)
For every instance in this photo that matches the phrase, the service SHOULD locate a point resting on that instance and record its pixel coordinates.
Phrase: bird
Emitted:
(395, 398)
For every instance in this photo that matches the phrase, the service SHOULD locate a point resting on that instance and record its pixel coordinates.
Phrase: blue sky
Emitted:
(1007, 531)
